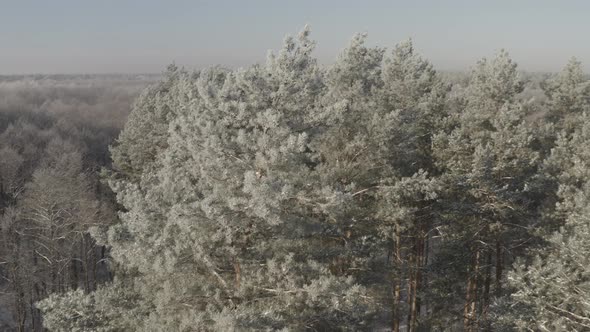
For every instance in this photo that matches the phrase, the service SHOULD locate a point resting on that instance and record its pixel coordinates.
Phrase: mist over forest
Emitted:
(54, 136)
(372, 194)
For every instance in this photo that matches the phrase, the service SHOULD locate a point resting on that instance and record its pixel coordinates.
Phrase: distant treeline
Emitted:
(54, 138)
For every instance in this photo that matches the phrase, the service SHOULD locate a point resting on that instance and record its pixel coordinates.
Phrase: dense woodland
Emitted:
(54, 137)
(372, 194)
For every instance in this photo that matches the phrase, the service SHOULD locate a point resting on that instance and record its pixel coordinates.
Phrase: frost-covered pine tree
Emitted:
(413, 88)
(415, 93)
(489, 161)
(224, 230)
(569, 96)
(551, 289)
(371, 160)
(145, 135)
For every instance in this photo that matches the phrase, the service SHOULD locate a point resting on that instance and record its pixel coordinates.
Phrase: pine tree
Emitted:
(374, 144)
(569, 96)
(550, 289)
(221, 232)
(490, 162)
(112, 308)
(145, 134)
(414, 90)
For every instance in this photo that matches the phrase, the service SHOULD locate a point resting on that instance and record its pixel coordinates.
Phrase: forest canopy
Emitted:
(372, 194)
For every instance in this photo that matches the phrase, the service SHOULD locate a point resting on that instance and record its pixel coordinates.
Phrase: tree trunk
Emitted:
(486, 287)
(33, 313)
(424, 284)
(469, 317)
(416, 282)
(74, 275)
(412, 286)
(238, 272)
(396, 281)
(91, 267)
(19, 297)
(22, 312)
(84, 260)
(499, 267)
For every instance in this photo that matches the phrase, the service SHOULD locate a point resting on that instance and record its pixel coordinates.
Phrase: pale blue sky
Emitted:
(76, 36)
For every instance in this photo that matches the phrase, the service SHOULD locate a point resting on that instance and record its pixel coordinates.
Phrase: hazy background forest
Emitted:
(55, 131)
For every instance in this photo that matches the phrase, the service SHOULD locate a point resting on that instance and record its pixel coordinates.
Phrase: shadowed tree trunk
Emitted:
(485, 303)
(499, 267)
(396, 281)
(416, 282)
(470, 311)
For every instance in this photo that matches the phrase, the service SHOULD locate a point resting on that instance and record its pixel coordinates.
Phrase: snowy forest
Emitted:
(373, 193)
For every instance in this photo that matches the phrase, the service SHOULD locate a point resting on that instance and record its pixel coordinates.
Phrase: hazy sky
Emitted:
(74, 36)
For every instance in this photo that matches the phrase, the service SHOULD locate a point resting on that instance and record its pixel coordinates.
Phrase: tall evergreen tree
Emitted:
(551, 289)
(569, 96)
(370, 154)
(490, 162)
(222, 232)
(414, 91)
(146, 135)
